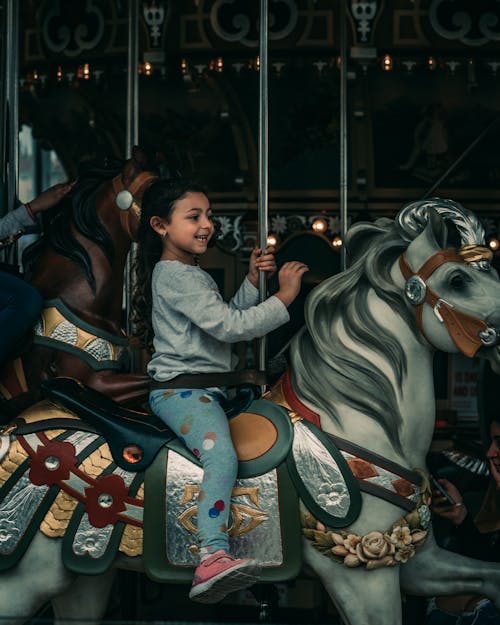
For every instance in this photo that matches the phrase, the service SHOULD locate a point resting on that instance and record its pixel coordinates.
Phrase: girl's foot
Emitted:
(220, 574)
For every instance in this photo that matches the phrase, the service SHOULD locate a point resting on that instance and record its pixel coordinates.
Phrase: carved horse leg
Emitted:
(38, 577)
(73, 606)
(361, 597)
(437, 572)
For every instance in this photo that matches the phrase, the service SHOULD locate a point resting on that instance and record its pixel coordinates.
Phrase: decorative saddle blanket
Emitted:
(63, 481)
(61, 476)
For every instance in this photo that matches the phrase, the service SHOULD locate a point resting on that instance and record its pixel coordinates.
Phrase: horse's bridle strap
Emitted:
(139, 181)
(431, 264)
(136, 183)
(464, 329)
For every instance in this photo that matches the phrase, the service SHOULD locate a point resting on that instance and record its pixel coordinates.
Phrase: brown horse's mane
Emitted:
(81, 211)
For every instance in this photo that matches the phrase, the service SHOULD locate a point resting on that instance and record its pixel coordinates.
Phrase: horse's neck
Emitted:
(57, 277)
(415, 395)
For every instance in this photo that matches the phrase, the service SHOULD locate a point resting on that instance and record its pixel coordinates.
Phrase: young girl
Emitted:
(193, 329)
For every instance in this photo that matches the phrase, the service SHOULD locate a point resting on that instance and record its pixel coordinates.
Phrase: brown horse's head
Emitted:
(87, 235)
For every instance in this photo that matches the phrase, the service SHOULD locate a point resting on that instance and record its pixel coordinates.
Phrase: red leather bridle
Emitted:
(468, 333)
(130, 208)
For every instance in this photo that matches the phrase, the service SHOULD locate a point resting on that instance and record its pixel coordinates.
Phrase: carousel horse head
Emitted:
(450, 283)
(423, 281)
(96, 224)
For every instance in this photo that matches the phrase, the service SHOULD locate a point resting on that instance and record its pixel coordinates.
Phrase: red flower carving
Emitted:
(105, 500)
(52, 463)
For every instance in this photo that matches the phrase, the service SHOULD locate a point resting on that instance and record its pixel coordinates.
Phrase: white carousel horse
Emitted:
(362, 368)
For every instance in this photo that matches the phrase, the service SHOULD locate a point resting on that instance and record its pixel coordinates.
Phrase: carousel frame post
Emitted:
(263, 196)
(131, 139)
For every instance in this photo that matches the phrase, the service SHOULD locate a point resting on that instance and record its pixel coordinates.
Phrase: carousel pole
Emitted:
(343, 133)
(10, 107)
(263, 161)
(132, 132)
(131, 139)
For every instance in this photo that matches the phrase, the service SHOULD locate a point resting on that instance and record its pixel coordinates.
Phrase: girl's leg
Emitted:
(199, 421)
(20, 306)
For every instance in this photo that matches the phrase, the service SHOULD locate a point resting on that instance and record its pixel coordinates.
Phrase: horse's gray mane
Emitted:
(328, 373)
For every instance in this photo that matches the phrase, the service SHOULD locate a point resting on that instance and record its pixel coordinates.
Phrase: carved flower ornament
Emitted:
(375, 549)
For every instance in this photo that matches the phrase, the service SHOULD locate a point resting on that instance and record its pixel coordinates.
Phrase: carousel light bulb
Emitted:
(148, 68)
(219, 64)
(257, 63)
(336, 243)
(272, 239)
(184, 66)
(494, 243)
(35, 74)
(387, 62)
(432, 63)
(59, 74)
(319, 225)
(86, 71)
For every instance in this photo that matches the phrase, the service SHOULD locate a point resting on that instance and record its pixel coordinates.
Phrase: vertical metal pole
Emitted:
(343, 132)
(11, 119)
(263, 159)
(132, 138)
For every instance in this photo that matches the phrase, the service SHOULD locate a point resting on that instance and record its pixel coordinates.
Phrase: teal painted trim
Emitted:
(97, 365)
(278, 452)
(291, 534)
(83, 325)
(351, 483)
(85, 564)
(156, 565)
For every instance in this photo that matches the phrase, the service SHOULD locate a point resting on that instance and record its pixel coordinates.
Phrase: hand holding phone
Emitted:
(442, 491)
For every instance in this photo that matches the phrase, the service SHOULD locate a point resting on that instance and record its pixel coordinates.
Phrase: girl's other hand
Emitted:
(261, 261)
(290, 278)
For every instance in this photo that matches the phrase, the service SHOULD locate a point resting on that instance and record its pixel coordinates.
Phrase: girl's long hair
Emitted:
(158, 200)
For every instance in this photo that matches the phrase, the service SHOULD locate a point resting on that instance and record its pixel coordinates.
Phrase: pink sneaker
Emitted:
(220, 574)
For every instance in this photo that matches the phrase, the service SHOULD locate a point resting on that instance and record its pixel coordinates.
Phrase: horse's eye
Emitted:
(458, 281)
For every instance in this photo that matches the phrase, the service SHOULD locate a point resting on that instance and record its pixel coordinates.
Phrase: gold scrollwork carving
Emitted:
(245, 518)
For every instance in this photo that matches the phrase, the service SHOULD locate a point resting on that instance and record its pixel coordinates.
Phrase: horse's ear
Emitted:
(431, 240)
(139, 156)
(439, 228)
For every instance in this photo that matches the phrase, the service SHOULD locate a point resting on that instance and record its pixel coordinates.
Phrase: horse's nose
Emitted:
(490, 336)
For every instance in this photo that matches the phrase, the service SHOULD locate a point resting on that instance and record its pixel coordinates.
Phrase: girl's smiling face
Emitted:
(187, 233)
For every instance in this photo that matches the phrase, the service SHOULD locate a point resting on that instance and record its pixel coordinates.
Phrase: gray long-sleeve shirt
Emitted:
(15, 220)
(194, 327)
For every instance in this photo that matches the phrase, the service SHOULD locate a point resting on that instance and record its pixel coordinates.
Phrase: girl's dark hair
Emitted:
(158, 200)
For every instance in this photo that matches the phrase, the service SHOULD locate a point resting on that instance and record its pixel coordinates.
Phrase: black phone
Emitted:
(439, 487)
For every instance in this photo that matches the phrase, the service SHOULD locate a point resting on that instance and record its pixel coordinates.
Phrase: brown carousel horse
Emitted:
(78, 266)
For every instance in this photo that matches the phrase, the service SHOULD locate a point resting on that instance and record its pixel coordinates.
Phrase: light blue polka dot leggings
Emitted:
(199, 421)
